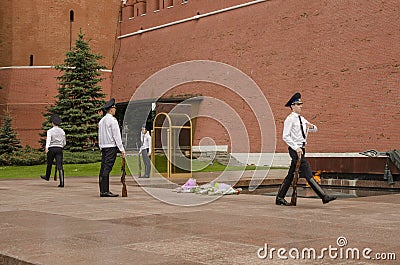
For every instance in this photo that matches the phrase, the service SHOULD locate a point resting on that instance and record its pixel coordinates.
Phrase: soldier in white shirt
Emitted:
(109, 142)
(55, 142)
(295, 132)
(145, 149)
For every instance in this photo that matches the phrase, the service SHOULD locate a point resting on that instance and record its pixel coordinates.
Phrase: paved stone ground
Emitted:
(43, 224)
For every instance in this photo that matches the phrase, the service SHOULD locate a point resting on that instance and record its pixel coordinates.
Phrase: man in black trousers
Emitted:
(295, 132)
(55, 142)
(145, 150)
(109, 142)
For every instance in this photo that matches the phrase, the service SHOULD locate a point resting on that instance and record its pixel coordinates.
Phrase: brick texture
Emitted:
(341, 55)
(26, 96)
(43, 29)
(41, 32)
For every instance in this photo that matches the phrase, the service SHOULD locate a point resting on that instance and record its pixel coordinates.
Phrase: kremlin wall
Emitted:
(343, 56)
(34, 36)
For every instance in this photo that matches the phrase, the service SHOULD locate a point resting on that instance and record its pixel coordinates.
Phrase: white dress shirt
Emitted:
(292, 132)
(109, 134)
(55, 137)
(146, 141)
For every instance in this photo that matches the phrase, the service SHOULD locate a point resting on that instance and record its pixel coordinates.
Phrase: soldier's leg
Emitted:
(307, 172)
(280, 197)
(146, 161)
(50, 158)
(108, 156)
(59, 164)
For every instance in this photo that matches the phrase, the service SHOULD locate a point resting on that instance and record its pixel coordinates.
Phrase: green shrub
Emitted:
(29, 156)
(23, 157)
(82, 157)
(9, 141)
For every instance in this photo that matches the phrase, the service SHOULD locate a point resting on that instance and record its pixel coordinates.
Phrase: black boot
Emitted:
(45, 178)
(61, 171)
(108, 194)
(280, 197)
(318, 190)
(281, 201)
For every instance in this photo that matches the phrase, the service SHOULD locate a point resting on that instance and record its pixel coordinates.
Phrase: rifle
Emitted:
(293, 201)
(139, 162)
(123, 174)
(55, 172)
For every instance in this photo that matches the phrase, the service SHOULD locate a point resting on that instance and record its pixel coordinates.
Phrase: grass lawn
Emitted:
(71, 170)
(92, 169)
(203, 166)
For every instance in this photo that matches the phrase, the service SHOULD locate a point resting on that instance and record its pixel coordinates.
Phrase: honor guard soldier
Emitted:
(145, 150)
(295, 132)
(109, 142)
(55, 142)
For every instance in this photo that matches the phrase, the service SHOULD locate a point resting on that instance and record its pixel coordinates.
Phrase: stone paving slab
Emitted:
(43, 224)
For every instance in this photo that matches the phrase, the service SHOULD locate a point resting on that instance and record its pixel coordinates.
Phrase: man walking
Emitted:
(109, 142)
(295, 132)
(55, 142)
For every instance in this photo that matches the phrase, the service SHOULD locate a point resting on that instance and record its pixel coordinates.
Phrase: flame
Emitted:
(317, 178)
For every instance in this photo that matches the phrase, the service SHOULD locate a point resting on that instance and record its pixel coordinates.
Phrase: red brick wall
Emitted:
(42, 29)
(341, 55)
(213, 121)
(5, 32)
(26, 95)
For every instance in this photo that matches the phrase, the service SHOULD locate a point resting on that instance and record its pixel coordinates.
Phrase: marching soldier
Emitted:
(55, 142)
(145, 150)
(295, 132)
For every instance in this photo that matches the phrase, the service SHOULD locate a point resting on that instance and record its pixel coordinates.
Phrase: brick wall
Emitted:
(5, 32)
(41, 32)
(27, 94)
(43, 29)
(341, 55)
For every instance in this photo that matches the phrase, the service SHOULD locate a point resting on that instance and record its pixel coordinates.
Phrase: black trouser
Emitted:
(146, 161)
(108, 156)
(57, 153)
(305, 171)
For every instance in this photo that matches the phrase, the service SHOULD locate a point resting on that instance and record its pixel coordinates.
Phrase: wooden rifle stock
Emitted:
(123, 174)
(140, 164)
(55, 172)
(293, 201)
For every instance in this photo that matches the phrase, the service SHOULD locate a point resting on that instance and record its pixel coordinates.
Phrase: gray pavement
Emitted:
(43, 224)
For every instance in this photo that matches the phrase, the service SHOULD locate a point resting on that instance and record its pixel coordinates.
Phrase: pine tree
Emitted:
(9, 141)
(80, 96)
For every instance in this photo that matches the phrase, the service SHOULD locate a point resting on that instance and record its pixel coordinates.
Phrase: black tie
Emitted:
(301, 127)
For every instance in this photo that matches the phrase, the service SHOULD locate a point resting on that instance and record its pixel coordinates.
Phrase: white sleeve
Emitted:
(48, 138)
(141, 143)
(117, 135)
(64, 141)
(314, 129)
(287, 128)
(149, 137)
